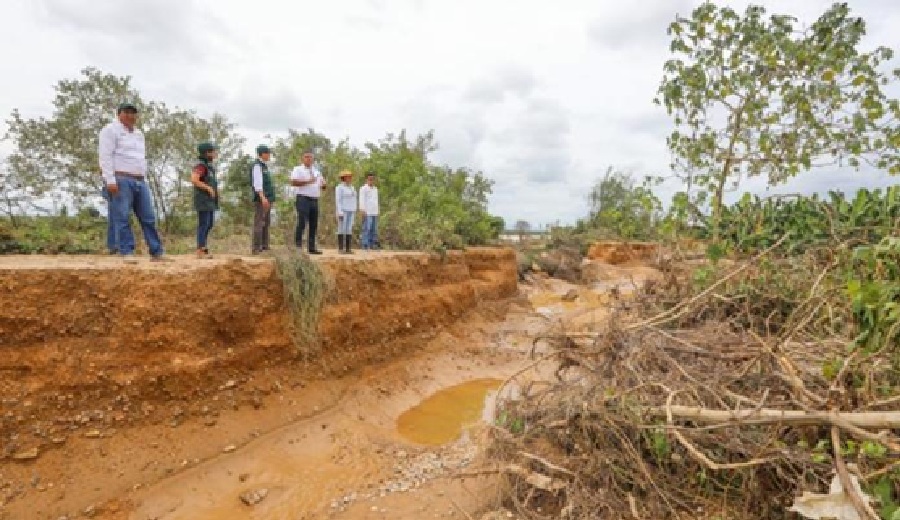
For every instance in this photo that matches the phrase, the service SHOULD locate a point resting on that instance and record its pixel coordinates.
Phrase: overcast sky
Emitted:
(541, 96)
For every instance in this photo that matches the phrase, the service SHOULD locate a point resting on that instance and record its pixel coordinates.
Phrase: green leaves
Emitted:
(756, 95)
(621, 208)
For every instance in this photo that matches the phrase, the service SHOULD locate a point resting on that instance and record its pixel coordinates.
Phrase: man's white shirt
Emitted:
(368, 200)
(304, 173)
(121, 150)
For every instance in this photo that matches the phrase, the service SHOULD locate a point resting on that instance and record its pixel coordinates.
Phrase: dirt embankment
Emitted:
(99, 346)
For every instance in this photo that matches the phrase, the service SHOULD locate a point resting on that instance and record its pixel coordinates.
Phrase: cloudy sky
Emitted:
(541, 96)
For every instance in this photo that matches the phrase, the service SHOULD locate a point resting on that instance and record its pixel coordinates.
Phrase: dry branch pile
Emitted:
(717, 420)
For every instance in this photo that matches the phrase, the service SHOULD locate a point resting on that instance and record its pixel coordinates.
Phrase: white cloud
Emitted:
(542, 97)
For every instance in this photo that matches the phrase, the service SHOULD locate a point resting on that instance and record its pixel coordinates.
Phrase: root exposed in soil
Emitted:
(712, 420)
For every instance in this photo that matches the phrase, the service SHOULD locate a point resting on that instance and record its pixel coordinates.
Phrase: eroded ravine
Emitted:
(320, 447)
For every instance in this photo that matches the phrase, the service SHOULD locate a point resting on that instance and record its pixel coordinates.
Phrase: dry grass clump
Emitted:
(306, 289)
(714, 404)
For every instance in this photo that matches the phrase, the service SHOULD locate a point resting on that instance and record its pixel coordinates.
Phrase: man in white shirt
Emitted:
(308, 184)
(123, 163)
(368, 207)
(263, 196)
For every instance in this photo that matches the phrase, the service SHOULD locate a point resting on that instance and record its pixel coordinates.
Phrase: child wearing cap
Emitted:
(345, 206)
(206, 198)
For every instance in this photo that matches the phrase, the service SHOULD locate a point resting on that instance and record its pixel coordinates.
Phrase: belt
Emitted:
(308, 197)
(130, 175)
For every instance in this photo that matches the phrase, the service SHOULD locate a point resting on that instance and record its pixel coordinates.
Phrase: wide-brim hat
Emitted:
(345, 173)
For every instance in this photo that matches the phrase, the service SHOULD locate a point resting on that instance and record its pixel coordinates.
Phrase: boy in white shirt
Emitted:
(345, 206)
(368, 207)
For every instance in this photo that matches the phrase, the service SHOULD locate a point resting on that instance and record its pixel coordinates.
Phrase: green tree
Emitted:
(759, 95)
(56, 157)
(236, 197)
(618, 206)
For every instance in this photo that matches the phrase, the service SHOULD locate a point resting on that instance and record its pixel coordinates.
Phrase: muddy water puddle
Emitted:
(441, 418)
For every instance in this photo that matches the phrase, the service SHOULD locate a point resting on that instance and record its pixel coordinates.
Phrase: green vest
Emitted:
(202, 200)
(268, 188)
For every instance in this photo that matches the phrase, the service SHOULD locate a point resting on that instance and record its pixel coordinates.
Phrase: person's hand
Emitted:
(266, 204)
(112, 189)
(211, 191)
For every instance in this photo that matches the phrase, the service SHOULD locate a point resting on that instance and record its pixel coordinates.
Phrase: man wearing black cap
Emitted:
(308, 184)
(206, 196)
(263, 196)
(123, 163)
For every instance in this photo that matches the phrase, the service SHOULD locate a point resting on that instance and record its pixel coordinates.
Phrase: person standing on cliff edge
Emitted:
(308, 184)
(263, 197)
(206, 195)
(123, 163)
(368, 207)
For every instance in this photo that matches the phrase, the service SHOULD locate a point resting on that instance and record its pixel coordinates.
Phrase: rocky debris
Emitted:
(617, 253)
(570, 296)
(228, 449)
(411, 471)
(253, 497)
(29, 454)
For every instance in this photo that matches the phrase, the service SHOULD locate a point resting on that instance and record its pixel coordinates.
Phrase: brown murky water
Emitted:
(441, 418)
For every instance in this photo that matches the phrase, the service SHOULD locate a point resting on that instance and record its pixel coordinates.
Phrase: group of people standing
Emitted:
(123, 165)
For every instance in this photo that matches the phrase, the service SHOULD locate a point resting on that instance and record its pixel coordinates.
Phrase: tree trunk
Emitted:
(719, 193)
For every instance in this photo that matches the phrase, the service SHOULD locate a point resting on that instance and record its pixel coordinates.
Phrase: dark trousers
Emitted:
(205, 221)
(262, 218)
(307, 210)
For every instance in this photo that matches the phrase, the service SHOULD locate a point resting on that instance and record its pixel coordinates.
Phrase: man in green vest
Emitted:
(206, 195)
(263, 197)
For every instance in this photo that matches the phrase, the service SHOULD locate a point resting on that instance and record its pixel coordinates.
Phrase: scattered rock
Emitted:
(570, 296)
(27, 454)
(229, 448)
(251, 498)
(92, 434)
(231, 383)
(243, 477)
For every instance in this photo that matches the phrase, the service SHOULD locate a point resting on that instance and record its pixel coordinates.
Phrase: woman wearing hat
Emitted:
(206, 198)
(345, 205)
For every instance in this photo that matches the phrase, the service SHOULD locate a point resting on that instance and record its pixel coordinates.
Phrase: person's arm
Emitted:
(106, 149)
(337, 201)
(257, 182)
(363, 193)
(298, 180)
(197, 176)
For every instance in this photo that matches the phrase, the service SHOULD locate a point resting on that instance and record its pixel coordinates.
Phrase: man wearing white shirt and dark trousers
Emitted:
(368, 206)
(263, 196)
(308, 183)
(123, 163)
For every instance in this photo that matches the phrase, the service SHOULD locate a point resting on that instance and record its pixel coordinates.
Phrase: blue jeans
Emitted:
(345, 225)
(205, 221)
(369, 232)
(110, 223)
(134, 195)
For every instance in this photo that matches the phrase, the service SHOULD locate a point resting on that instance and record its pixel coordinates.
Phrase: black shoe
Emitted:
(340, 245)
(314, 252)
(347, 240)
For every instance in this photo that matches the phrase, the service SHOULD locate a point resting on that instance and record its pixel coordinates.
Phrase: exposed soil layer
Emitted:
(91, 350)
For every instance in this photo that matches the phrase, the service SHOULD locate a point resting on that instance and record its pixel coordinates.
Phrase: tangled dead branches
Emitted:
(715, 420)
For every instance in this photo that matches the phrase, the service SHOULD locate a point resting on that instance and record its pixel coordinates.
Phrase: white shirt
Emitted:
(121, 150)
(304, 173)
(257, 177)
(368, 200)
(344, 199)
